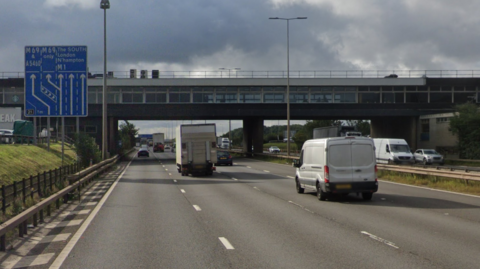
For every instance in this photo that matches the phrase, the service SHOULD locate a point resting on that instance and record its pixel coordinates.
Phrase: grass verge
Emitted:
(21, 161)
(439, 183)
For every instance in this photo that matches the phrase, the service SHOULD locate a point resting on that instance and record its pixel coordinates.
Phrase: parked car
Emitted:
(273, 149)
(428, 156)
(143, 152)
(224, 157)
(6, 136)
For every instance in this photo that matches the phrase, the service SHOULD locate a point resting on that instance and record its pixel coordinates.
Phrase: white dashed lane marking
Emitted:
(197, 208)
(266, 171)
(226, 243)
(374, 237)
(182, 190)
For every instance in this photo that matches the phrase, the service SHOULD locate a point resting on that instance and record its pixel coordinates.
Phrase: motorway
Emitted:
(249, 216)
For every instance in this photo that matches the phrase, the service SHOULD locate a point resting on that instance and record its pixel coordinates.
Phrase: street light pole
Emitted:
(288, 76)
(104, 4)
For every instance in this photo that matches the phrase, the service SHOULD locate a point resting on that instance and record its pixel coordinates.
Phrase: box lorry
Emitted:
(335, 131)
(339, 165)
(158, 142)
(393, 151)
(223, 142)
(195, 149)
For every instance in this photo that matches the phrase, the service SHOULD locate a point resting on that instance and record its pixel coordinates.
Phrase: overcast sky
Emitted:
(188, 35)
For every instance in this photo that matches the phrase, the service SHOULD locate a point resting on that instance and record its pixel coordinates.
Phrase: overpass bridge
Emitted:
(393, 105)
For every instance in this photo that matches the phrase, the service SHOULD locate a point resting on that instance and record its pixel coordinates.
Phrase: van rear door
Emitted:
(339, 161)
(363, 160)
(351, 160)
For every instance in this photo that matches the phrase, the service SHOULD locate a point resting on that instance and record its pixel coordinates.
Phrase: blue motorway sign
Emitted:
(56, 81)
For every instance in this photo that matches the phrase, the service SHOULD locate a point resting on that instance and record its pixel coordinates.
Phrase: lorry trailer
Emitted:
(195, 149)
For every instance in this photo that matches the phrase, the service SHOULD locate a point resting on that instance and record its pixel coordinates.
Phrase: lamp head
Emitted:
(105, 4)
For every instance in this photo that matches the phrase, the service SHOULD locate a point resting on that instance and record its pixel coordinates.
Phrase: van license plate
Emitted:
(343, 186)
(199, 166)
(223, 158)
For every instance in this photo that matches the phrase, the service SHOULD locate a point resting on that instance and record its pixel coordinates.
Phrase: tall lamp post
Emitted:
(288, 77)
(104, 4)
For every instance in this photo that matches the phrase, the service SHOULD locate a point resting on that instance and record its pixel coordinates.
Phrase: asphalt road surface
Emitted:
(249, 216)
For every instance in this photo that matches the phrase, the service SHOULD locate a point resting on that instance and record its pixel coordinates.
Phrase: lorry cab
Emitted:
(339, 165)
(393, 151)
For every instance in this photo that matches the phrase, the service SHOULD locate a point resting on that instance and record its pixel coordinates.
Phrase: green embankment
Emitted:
(21, 161)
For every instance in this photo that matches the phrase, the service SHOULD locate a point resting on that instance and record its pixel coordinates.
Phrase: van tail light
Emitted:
(326, 175)
(229, 156)
(376, 170)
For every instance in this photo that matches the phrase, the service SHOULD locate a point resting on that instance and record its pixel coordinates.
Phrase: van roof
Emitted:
(392, 140)
(324, 140)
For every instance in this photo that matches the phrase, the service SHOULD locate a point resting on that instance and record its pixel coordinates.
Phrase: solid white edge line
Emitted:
(426, 188)
(226, 243)
(73, 241)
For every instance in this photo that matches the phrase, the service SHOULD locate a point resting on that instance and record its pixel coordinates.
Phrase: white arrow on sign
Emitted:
(60, 77)
(71, 77)
(33, 77)
(82, 99)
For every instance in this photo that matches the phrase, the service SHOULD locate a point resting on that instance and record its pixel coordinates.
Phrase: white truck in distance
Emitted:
(158, 142)
(195, 149)
(223, 142)
(335, 131)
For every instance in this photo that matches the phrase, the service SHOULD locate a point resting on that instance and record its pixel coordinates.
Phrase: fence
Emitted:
(276, 74)
(41, 184)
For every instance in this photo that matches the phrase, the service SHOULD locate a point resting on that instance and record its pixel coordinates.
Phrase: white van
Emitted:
(389, 150)
(337, 165)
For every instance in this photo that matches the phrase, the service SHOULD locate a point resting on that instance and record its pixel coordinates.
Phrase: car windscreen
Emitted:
(400, 148)
(222, 154)
(430, 152)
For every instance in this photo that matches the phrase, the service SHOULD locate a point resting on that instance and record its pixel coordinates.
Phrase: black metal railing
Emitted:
(41, 184)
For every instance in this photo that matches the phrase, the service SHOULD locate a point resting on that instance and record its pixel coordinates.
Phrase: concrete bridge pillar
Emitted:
(112, 136)
(253, 135)
(396, 127)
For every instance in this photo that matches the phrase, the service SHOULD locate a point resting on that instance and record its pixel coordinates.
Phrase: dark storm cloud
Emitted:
(341, 34)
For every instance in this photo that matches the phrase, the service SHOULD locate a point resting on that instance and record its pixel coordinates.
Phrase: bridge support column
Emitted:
(253, 135)
(396, 127)
(112, 135)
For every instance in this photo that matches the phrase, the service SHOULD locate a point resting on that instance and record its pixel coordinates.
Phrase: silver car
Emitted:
(428, 156)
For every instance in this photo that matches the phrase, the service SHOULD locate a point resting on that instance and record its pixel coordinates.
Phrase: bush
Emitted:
(87, 150)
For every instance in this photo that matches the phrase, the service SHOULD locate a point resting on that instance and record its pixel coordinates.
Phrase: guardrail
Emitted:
(438, 171)
(77, 181)
(275, 74)
(456, 172)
